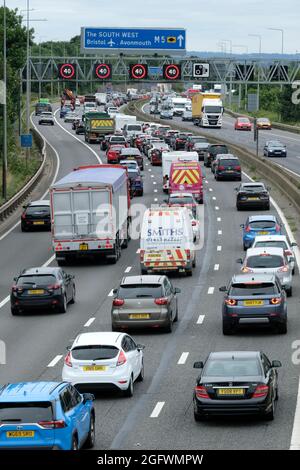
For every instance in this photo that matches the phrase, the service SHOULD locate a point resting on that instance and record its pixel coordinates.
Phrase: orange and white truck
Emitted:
(186, 176)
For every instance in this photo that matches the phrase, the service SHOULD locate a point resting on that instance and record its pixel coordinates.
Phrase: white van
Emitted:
(132, 130)
(177, 156)
(167, 241)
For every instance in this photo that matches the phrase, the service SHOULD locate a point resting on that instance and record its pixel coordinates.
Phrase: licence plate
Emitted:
(83, 247)
(139, 316)
(20, 433)
(263, 233)
(230, 391)
(36, 291)
(253, 198)
(154, 255)
(94, 368)
(253, 303)
(38, 222)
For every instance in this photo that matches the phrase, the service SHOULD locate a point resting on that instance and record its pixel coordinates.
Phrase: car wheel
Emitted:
(24, 228)
(141, 375)
(176, 316)
(63, 307)
(293, 271)
(276, 394)
(90, 441)
(194, 262)
(282, 328)
(72, 301)
(169, 327)
(74, 443)
(270, 415)
(227, 328)
(289, 292)
(238, 207)
(245, 247)
(14, 311)
(197, 417)
(189, 272)
(129, 391)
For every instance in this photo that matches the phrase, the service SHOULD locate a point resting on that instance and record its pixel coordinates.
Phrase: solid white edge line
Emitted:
(295, 439)
(89, 322)
(157, 409)
(55, 360)
(200, 319)
(127, 270)
(183, 358)
(211, 290)
(4, 301)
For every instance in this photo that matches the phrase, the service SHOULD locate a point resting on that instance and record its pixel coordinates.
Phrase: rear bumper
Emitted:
(254, 204)
(225, 175)
(36, 303)
(230, 407)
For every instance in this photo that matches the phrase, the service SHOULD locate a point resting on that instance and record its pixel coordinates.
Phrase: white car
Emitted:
(195, 226)
(277, 241)
(104, 360)
(112, 111)
(130, 164)
(77, 103)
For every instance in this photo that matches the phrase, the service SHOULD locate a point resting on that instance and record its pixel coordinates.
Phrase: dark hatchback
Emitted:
(41, 288)
(236, 383)
(254, 299)
(212, 151)
(135, 182)
(36, 215)
(252, 195)
(227, 167)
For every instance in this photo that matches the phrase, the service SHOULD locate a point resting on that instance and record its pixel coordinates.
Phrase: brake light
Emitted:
(261, 391)
(237, 168)
(142, 254)
(275, 301)
(248, 229)
(121, 359)
(284, 269)
(68, 361)
(54, 286)
(201, 392)
(288, 253)
(14, 289)
(278, 228)
(118, 302)
(221, 167)
(245, 269)
(23, 216)
(161, 301)
(188, 254)
(194, 223)
(59, 424)
(230, 302)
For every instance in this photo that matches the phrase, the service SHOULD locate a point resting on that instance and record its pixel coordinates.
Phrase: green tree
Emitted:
(290, 112)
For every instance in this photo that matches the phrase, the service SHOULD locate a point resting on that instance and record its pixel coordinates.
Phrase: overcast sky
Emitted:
(207, 22)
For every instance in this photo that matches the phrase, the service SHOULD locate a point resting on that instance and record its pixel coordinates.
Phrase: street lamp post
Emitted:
(282, 36)
(4, 162)
(259, 37)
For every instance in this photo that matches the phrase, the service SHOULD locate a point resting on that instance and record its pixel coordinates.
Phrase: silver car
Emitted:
(279, 241)
(269, 260)
(143, 302)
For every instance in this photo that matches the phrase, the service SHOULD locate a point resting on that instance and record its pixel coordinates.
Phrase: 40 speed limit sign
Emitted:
(103, 71)
(172, 72)
(66, 71)
(138, 71)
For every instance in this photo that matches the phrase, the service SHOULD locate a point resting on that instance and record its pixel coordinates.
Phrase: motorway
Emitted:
(160, 414)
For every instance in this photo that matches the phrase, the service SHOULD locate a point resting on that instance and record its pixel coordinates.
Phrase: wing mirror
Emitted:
(276, 364)
(140, 347)
(239, 261)
(177, 290)
(223, 289)
(198, 365)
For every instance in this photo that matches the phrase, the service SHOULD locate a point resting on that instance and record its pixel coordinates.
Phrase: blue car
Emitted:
(136, 182)
(64, 110)
(259, 225)
(46, 415)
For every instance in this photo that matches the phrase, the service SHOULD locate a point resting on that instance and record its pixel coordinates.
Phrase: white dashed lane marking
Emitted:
(89, 322)
(183, 358)
(219, 248)
(157, 409)
(200, 319)
(127, 270)
(55, 360)
(211, 290)
(216, 267)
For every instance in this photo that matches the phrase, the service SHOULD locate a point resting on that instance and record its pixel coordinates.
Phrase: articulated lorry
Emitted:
(90, 213)
(97, 126)
(207, 109)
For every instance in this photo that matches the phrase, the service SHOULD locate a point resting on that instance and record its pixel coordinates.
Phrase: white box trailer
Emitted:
(90, 213)
(122, 119)
(170, 157)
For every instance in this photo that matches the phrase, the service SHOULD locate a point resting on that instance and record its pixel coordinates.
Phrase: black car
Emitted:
(252, 195)
(41, 288)
(36, 215)
(236, 383)
(274, 148)
(212, 151)
(227, 167)
(80, 128)
(254, 299)
(192, 140)
(179, 141)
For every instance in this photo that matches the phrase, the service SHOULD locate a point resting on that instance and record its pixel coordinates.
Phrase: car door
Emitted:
(169, 294)
(67, 283)
(81, 412)
(69, 411)
(136, 356)
(130, 354)
(270, 374)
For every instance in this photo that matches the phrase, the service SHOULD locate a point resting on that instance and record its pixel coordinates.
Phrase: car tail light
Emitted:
(221, 167)
(248, 229)
(54, 286)
(188, 254)
(118, 302)
(14, 289)
(201, 392)
(194, 223)
(23, 216)
(58, 424)
(230, 302)
(275, 301)
(245, 269)
(284, 269)
(161, 301)
(121, 359)
(288, 253)
(261, 391)
(68, 361)
(278, 228)
(238, 168)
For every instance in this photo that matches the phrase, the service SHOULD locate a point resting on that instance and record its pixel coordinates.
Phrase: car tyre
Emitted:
(63, 306)
(141, 375)
(74, 443)
(245, 247)
(14, 311)
(90, 440)
(129, 391)
(169, 327)
(289, 292)
(227, 329)
(24, 228)
(270, 415)
(282, 328)
(73, 299)
(176, 316)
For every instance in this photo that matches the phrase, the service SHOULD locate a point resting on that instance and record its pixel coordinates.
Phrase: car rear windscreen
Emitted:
(41, 280)
(132, 127)
(262, 261)
(262, 224)
(139, 291)
(181, 200)
(229, 162)
(232, 368)
(29, 412)
(218, 149)
(94, 352)
(255, 289)
(269, 243)
(34, 209)
(253, 189)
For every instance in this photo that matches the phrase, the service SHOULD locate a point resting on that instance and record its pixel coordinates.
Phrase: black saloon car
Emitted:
(212, 151)
(252, 195)
(36, 215)
(236, 383)
(42, 288)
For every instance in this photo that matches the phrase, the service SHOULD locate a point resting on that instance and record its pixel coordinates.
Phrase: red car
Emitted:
(242, 124)
(113, 153)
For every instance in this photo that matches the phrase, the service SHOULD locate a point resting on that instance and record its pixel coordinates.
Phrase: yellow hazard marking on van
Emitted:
(102, 122)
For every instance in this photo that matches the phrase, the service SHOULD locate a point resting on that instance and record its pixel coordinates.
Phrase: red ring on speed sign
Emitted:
(103, 76)
(67, 76)
(138, 76)
(170, 67)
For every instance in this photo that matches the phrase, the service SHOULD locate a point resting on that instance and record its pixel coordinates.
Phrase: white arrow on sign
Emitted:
(180, 39)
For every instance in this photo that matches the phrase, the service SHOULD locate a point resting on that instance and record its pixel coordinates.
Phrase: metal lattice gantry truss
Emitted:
(229, 70)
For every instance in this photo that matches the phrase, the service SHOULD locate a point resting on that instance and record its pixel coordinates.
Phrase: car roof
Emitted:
(270, 250)
(41, 270)
(130, 151)
(99, 337)
(226, 156)
(255, 218)
(258, 183)
(42, 202)
(30, 391)
(132, 162)
(234, 354)
(270, 238)
(253, 277)
(143, 279)
(181, 195)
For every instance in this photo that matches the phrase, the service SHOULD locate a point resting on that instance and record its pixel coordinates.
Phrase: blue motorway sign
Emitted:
(146, 40)
(26, 140)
